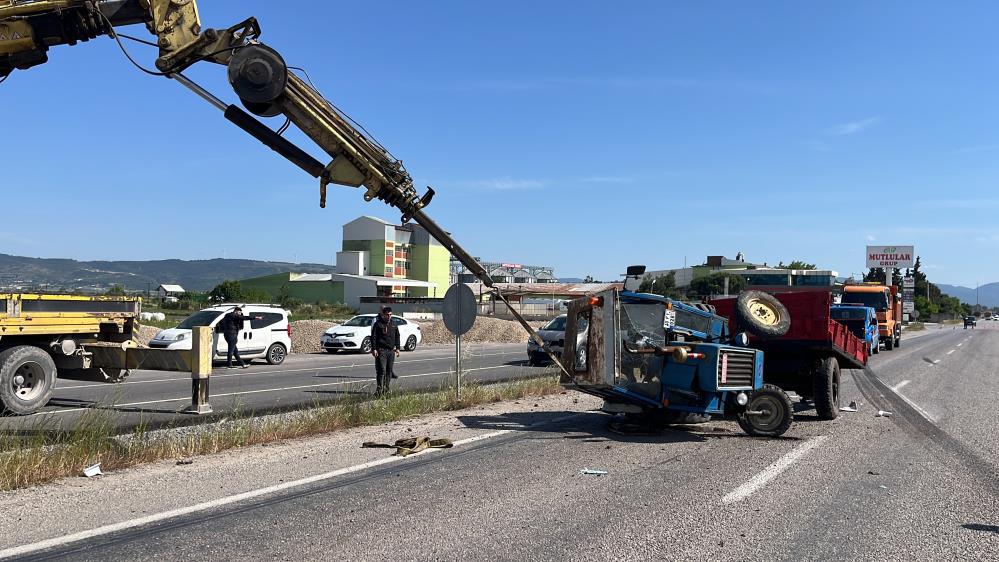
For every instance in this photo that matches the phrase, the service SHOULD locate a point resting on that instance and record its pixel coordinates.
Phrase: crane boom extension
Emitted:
(261, 79)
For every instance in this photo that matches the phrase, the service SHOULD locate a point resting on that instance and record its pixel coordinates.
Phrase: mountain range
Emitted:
(48, 274)
(987, 295)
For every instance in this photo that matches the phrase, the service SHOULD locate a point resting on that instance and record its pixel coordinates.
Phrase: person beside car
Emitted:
(384, 348)
(230, 326)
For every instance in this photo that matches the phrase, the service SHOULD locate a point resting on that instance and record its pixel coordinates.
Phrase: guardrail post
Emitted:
(201, 369)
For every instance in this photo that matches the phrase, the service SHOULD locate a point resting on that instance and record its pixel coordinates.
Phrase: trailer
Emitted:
(43, 337)
(808, 359)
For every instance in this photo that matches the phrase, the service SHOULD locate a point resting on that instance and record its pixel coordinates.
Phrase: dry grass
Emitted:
(47, 453)
(915, 327)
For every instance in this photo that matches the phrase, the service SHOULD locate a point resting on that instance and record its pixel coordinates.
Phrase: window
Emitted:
(399, 321)
(360, 321)
(203, 318)
(267, 319)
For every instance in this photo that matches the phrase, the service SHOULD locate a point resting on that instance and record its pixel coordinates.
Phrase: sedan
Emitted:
(355, 334)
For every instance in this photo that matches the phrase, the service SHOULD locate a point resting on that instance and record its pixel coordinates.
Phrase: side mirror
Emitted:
(635, 270)
(741, 339)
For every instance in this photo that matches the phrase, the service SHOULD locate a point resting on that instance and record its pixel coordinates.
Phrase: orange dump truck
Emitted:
(884, 299)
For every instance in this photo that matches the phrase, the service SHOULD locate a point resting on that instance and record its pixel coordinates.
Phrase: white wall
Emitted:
(353, 263)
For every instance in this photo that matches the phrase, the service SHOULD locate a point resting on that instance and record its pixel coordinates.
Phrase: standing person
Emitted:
(230, 326)
(384, 348)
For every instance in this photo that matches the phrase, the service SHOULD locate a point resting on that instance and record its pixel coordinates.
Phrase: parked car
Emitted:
(267, 338)
(970, 321)
(355, 334)
(553, 334)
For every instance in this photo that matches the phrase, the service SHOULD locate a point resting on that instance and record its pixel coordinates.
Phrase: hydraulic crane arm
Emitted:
(258, 75)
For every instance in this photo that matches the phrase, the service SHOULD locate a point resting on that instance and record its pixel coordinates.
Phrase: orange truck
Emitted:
(887, 302)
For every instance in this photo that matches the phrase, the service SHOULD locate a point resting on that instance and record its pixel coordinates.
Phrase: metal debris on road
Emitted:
(185, 461)
(931, 361)
(92, 471)
(851, 408)
(593, 472)
(411, 445)
(883, 414)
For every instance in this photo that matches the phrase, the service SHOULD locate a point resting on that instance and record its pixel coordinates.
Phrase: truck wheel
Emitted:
(761, 314)
(825, 377)
(768, 413)
(889, 344)
(898, 339)
(27, 375)
(876, 349)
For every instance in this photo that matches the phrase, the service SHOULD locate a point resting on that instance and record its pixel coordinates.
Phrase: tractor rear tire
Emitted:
(761, 314)
(27, 376)
(826, 378)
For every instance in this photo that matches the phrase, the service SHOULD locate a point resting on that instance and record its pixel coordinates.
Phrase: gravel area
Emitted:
(305, 335)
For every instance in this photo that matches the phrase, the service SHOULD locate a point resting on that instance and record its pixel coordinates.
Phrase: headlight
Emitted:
(347, 335)
(742, 399)
(180, 337)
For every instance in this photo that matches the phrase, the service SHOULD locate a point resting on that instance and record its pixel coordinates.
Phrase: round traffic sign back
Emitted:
(459, 309)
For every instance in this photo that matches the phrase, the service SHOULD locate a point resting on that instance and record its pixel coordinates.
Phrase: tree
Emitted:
(714, 284)
(664, 285)
(227, 291)
(590, 279)
(116, 291)
(286, 300)
(796, 264)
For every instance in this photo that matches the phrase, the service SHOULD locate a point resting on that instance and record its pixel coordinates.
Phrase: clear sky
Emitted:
(586, 135)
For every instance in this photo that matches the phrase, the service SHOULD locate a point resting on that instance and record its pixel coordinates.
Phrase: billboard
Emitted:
(908, 294)
(890, 256)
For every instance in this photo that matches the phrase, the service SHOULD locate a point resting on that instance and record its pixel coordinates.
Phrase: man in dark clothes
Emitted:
(385, 348)
(230, 326)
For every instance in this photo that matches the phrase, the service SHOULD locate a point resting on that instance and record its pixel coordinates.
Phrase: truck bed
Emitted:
(34, 315)
(813, 331)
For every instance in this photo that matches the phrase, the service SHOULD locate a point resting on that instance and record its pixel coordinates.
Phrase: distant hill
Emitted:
(988, 295)
(23, 273)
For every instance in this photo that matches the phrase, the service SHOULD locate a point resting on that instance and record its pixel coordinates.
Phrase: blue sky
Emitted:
(577, 134)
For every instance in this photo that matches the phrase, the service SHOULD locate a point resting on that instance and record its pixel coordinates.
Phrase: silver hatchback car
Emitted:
(553, 334)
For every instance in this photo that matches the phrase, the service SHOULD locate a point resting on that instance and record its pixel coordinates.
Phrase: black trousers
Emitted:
(384, 368)
(232, 340)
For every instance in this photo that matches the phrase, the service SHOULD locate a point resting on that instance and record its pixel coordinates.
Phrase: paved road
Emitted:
(919, 485)
(155, 397)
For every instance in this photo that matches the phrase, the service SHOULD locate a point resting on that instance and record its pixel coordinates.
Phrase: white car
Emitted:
(355, 334)
(268, 338)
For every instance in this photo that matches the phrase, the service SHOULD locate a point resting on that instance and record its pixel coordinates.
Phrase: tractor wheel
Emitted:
(825, 378)
(768, 414)
(762, 315)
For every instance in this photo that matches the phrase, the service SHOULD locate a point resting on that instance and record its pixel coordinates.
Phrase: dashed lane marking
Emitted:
(772, 471)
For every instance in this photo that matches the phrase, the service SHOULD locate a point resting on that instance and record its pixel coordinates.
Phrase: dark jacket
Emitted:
(382, 338)
(232, 323)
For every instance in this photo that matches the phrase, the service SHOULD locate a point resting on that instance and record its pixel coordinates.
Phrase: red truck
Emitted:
(809, 357)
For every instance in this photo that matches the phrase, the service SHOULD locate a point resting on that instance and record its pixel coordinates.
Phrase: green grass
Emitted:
(49, 451)
(915, 327)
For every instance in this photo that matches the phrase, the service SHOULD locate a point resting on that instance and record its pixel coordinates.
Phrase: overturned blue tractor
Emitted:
(668, 361)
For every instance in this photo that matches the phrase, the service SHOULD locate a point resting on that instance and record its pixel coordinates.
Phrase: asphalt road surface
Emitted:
(156, 397)
(921, 484)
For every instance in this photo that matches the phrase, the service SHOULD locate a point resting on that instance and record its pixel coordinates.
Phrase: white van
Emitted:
(268, 338)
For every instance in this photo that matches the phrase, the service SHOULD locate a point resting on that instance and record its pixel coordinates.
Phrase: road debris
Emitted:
(92, 471)
(411, 445)
(185, 462)
(931, 361)
(851, 408)
(593, 472)
(883, 414)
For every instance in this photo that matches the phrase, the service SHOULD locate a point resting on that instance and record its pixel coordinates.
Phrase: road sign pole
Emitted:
(457, 367)
(459, 314)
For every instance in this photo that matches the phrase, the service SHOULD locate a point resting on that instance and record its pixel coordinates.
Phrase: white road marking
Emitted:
(280, 372)
(214, 395)
(772, 471)
(960, 344)
(951, 351)
(900, 385)
(229, 500)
